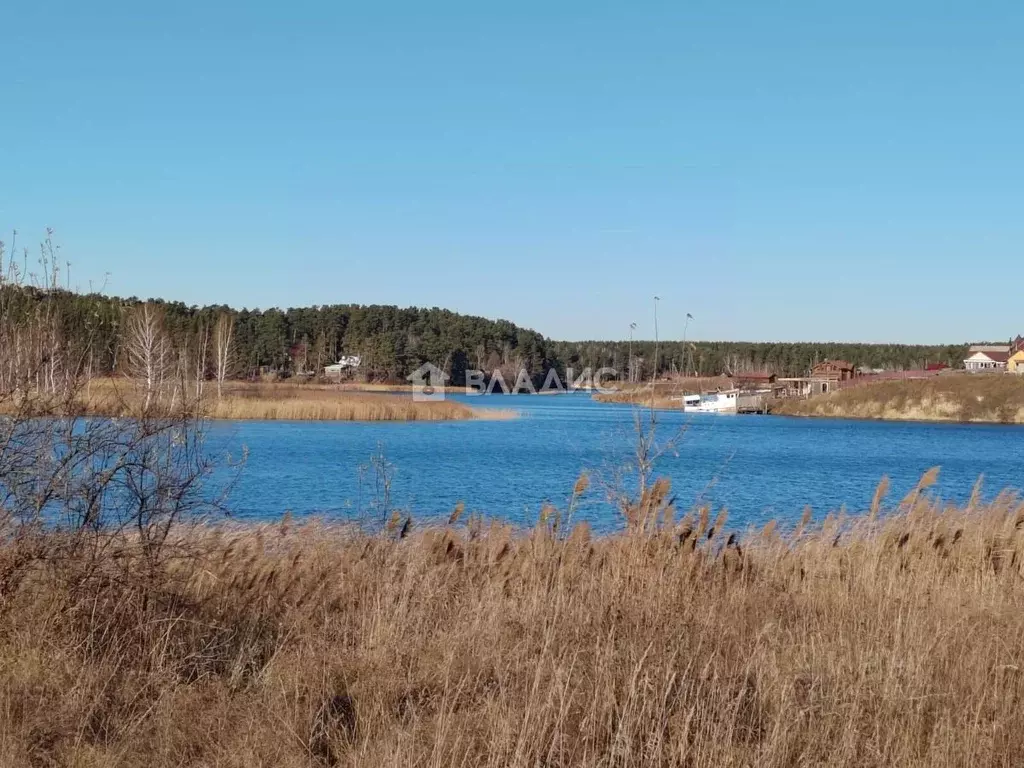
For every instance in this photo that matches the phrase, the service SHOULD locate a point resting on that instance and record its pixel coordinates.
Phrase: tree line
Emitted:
(713, 358)
(392, 342)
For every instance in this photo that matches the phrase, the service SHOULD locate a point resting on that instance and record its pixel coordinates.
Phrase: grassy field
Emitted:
(992, 398)
(284, 401)
(898, 640)
(666, 394)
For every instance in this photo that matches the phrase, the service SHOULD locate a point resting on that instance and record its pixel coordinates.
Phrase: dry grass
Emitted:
(287, 402)
(666, 394)
(898, 640)
(367, 386)
(993, 398)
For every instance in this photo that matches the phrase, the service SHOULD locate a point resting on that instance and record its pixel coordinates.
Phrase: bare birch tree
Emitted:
(202, 354)
(65, 468)
(148, 350)
(223, 350)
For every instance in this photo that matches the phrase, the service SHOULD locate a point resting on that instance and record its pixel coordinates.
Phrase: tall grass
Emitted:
(987, 398)
(293, 402)
(346, 407)
(896, 639)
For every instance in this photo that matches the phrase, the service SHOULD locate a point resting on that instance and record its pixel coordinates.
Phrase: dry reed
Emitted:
(992, 398)
(896, 639)
(287, 402)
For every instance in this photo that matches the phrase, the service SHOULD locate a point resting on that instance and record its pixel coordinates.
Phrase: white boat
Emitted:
(712, 402)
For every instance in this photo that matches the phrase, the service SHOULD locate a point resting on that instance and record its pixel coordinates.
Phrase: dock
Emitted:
(752, 403)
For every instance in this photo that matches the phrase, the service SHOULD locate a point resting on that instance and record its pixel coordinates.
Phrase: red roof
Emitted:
(936, 367)
(995, 357)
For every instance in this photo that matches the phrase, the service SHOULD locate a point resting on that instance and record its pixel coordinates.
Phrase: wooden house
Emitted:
(987, 358)
(833, 370)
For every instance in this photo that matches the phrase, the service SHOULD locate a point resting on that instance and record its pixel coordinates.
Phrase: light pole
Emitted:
(686, 323)
(629, 365)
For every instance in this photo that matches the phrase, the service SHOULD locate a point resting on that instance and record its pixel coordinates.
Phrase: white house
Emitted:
(345, 363)
(990, 357)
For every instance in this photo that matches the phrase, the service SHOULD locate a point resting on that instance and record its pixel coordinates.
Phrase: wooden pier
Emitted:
(752, 403)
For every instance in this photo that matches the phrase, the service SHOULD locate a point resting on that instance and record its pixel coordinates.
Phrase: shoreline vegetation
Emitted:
(969, 398)
(393, 342)
(248, 401)
(896, 638)
(957, 397)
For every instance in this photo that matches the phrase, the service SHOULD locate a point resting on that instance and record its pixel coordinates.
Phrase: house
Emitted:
(1015, 362)
(930, 367)
(833, 370)
(345, 363)
(987, 357)
(826, 376)
(754, 380)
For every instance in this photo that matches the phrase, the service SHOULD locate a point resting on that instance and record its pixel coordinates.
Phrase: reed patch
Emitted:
(893, 638)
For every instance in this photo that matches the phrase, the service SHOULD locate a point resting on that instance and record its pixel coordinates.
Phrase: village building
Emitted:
(983, 358)
(345, 363)
(833, 370)
(754, 380)
(1015, 363)
(826, 376)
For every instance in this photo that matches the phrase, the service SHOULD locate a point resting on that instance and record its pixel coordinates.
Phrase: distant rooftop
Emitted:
(997, 355)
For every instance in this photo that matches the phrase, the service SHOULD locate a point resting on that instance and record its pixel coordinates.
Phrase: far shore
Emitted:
(278, 401)
(961, 398)
(965, 398)
(665, 395)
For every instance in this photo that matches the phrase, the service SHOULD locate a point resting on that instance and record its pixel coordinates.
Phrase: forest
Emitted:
(392, 342)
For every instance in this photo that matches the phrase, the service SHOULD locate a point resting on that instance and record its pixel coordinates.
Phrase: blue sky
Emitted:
(799, 170)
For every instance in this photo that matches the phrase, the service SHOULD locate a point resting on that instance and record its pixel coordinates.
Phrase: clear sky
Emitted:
(798, 170)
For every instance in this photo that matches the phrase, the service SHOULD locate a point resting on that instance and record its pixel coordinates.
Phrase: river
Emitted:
(758, 467)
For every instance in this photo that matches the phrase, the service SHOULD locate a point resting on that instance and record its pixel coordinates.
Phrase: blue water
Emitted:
(758, 467)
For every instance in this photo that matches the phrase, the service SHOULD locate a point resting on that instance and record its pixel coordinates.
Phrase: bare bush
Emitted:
(62, 471)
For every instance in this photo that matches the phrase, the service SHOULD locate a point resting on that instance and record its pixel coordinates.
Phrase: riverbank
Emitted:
(975, 398)
(665, 395)
(312, 402)
(250, 401)
(895, 642)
